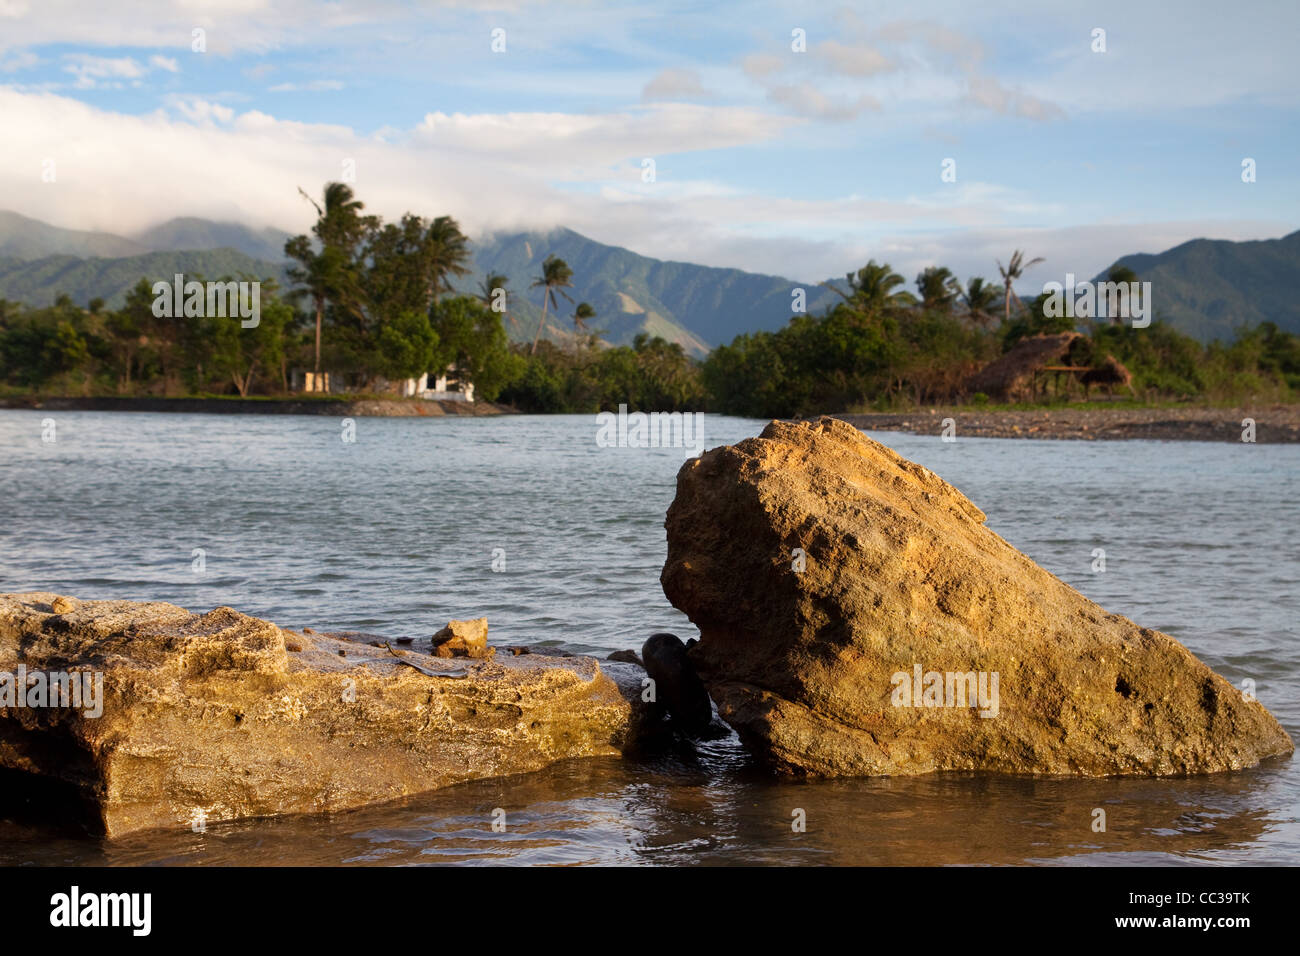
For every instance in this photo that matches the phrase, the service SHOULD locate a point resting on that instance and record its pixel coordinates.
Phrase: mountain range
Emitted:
(1204, 287)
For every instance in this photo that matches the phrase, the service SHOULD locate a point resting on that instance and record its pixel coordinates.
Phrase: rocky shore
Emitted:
(218, 716)
(856, 617)
(358, 408)
(1273, 423)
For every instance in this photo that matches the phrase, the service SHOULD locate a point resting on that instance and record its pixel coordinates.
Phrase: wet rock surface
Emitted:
(857, 617)
(220, 715)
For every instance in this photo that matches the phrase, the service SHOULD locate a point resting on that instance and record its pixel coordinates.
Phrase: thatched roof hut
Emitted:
(1011, 378)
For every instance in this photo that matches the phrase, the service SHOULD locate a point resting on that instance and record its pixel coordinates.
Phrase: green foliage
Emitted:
(651, 374)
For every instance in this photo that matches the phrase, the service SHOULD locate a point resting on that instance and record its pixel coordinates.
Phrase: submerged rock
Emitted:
(679, 693)
(212, 716)
(857, 617)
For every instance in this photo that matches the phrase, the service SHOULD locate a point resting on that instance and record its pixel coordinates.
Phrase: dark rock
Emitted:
(679, 692)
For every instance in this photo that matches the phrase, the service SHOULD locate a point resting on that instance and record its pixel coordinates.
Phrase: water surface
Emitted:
(397, 533)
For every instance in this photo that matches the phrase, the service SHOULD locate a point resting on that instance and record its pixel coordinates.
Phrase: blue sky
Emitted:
(801, 162)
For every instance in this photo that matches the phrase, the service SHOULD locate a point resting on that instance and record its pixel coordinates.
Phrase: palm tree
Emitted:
(872, 287)
(554, 278)
(311, 279)
(938, 288)
(339, 226)
(580, 316)
(1123, 275)
(487, 292)
(1013, 271)
(979, 296)
(339, 222)
(448, 251)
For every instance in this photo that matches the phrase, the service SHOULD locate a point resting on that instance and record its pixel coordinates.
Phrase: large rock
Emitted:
(214, 716)
(817, 669)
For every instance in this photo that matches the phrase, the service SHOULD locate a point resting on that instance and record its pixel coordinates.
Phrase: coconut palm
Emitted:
(979, 296)
(447, 249)
(1014, 269)
(555, 278)
(487, 292)
(1123, 275)
(339, 227)
(871, 288)
(580, 316)
(938, 288)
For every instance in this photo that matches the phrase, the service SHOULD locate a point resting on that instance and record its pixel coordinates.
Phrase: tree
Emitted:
(979, 296)
(492, 289)
(126, 329)
(330, 273)
(447, 252)
(938, 288)
(471, 338)
(1124, 276)
(871, 289)
(555, 278)
(242, 353)
(1014, 269)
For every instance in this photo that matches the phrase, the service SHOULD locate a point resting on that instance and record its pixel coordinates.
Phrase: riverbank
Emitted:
(336, 406)
(1273, 423)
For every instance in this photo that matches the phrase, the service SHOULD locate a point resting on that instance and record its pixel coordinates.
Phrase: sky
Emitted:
(799, 139)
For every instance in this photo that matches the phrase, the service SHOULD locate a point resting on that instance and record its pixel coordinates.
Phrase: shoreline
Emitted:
(1274, 424)
(361, 407)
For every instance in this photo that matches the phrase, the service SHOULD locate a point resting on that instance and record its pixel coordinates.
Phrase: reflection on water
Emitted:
(395, 535)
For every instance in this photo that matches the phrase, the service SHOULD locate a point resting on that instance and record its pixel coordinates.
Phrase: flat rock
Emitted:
(229, 716)
(826, 572)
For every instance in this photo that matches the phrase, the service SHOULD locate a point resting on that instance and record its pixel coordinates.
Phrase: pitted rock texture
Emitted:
(819, 564)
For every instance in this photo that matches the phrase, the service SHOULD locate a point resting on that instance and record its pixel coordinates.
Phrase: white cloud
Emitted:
(17, 62)
(315, 86)
(675, 84)
(91, 70)
(806, 100)
(857, 59)
(167, 63)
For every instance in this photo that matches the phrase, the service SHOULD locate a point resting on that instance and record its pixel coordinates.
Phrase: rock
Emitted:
(463, 639)
(625, 657)
(210, 713)
(830, 578)
(62, 605)
(679, 693)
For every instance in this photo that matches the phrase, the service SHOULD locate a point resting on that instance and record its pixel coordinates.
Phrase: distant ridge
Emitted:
(1208, 287)
(1205, 287)
(23, 238)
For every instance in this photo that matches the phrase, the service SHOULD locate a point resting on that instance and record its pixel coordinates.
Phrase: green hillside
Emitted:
(23, 238)
(1209, 287)
(40, 282)
(192, 233)
(696, 306)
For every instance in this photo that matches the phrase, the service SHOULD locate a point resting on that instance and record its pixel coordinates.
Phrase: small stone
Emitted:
(463, 639)
(62, 605)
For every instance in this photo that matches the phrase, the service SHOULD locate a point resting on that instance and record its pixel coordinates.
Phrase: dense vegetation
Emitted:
(374, 303)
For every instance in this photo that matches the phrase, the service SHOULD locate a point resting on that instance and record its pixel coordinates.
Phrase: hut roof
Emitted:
(1012, 376)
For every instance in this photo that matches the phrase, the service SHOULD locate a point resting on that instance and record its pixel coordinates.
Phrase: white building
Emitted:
(446, 387)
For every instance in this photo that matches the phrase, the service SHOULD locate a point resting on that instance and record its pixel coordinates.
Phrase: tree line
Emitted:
(374, 303)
